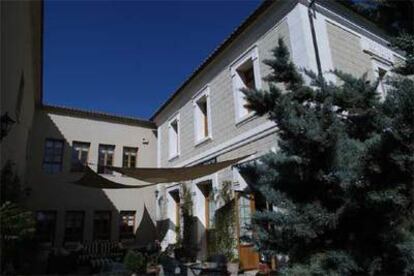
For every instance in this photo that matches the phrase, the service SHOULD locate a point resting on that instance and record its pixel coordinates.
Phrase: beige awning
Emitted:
(167, 175)
(153, 176)
(93, 180)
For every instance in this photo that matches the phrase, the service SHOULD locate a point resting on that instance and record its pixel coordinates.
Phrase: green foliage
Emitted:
(135, 261)
(179, 240)
(15, 222)
(394, 17)
(10, 188)
(390, 15)
(222, 240)
(187, 202)
(188, 241)
(405, 42)
(341, 185)
(17, 225)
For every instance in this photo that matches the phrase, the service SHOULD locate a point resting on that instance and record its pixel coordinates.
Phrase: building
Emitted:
(62, 141)
(204, 121)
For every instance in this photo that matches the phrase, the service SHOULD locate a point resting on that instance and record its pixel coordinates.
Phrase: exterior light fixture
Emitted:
(6, 125)
(156, 193)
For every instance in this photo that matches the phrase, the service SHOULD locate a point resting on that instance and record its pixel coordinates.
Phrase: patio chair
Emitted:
(97, 254)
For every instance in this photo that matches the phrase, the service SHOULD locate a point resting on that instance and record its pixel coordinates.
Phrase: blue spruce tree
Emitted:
(340, 187)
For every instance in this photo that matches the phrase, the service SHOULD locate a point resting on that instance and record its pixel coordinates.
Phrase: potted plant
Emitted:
(233, 266)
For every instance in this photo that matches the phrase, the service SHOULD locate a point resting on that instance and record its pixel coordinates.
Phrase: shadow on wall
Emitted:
(146, 231)
(57, 198)
(197, 240)
(193, 242)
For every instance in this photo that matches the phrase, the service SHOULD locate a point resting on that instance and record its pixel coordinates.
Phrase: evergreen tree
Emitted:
(17, 225)
(393, 17)
(340, 185)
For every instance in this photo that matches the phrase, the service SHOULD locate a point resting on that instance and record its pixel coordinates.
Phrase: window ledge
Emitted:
(246, 118)
(174, 157)
(203, 140)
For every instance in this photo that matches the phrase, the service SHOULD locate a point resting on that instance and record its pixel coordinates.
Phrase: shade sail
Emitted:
(93, 180)
(152, 176)
(167, 175)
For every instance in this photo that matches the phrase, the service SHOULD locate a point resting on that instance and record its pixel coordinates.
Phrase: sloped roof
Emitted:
(331, 4)
(90, 114)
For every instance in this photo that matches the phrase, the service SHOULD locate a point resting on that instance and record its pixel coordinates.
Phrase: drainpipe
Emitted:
(314, 40)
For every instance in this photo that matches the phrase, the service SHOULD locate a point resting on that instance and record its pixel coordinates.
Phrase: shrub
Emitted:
(135, 261)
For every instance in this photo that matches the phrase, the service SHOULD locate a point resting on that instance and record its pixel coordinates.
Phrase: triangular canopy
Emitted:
(93, 180)
(167, 175)
(153, 176)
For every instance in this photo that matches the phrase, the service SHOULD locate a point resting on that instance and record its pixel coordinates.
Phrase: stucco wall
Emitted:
(20, 76)
(55, 192)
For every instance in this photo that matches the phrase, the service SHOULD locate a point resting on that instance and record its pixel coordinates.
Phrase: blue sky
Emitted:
(127, 57)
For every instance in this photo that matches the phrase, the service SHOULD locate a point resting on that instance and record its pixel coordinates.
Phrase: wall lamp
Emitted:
(6, 124)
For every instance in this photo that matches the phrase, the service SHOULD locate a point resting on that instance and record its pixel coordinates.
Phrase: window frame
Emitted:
(78, 166)
(172, 155)
(126, 235)
(245, 210)
(240, 112)
(198, 138)
(104, 170)
(62, 151)
(126, 149)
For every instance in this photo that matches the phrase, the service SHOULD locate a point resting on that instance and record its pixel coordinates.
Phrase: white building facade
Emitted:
(205, 119)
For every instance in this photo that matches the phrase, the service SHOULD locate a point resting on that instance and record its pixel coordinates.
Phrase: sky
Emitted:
(128, 57)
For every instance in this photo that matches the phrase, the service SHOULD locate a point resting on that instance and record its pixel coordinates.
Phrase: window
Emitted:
(106, 158)
(45, 226)
(202, 121)
(127, 225)
(245, 75)
(245, 214)
(80, 152)
(102, 225)
(74, 221)
(174, 138)
(129, 159)
(53, 156)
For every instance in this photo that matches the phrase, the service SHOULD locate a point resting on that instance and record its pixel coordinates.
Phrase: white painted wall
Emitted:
(56, 192)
